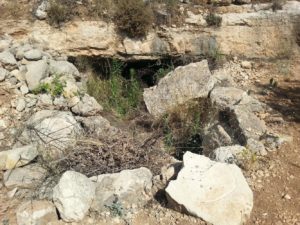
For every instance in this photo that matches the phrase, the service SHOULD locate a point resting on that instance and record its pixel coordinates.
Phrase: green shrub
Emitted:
(213, 20)
(133, 17)
(60, 11)
(116, 93)
(55, 88)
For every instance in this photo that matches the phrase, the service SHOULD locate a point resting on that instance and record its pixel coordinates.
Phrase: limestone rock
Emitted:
(36, 71)
(73, 196)
(20, 104)
(215, 137)
(36, 213)
(129, 188)
(229, 154)
(7, 59)
(245, 124)
(88, 106)
(256, 147)
(33, 55)
(24, 177)
(41, 11)
(179, 86)
(216, 192)
(63, 68)
(224, 97)
(17, 157)
(3, 74)
(98, 126)
(57, 129)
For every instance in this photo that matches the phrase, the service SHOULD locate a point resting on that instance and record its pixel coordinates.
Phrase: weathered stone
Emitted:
(7, 59)
(129, 188)
(222, 78)
(24, 177)
(52, 128)
(245, 124)
(36, 213)
(36, 71)
(216, 192)
(224, 97)
(215, 137)
(33, 54)
(41, 11)
(256, 147)
(45, 100)
(229, 154)
(24, 89)
(3, 74)
(88, 106)
(17, 157)
(181, 85)
(63, 68)
(98, 126)
(73, 196)
(20, 104)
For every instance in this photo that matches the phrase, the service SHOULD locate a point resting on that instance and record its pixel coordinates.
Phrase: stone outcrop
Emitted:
(246, 34)
(216, 192)
(178, 87)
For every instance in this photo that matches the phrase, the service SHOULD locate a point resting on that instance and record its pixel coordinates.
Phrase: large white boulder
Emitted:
(129, 189)
(63, 68)
(88, 106)
(216, 192)
(178, 87)
(73, 196)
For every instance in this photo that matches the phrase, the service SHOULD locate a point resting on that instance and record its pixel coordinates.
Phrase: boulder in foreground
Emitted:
(216, 192)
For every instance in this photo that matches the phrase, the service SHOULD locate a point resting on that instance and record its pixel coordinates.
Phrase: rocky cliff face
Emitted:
(259, 33)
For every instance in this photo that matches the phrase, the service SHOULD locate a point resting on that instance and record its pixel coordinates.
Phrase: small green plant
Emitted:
(55, 88)
(213, 20)
(162, 72)
(116, 208)
(133, 17)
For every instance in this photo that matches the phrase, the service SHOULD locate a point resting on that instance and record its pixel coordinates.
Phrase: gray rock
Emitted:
(98, 126)
(33, 55)
(178, 87)
(20, 51)
(88, 106)
(73, 196)
(129, 189)
(20, 104)
(36, 71)
(223, 79)
(24, 177)
(17, 157)
(60, 102)
(256, 147)
(229, 154)
(5, 43)
(224, 97)
(36, 212)
(216, 192)
(51, 128)
(3, 74)
(45, 100)
(215, 137)
(24, 89)
(41, 11)
(245, 124)
(63, 68)
(7, 59)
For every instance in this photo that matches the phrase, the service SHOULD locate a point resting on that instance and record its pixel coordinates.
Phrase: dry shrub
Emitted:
(60, 11)
(133, 17)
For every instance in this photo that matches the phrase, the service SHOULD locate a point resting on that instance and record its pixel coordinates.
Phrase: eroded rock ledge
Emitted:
(254, 34)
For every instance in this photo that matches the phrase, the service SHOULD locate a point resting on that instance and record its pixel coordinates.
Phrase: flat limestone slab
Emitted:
(216, 192)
